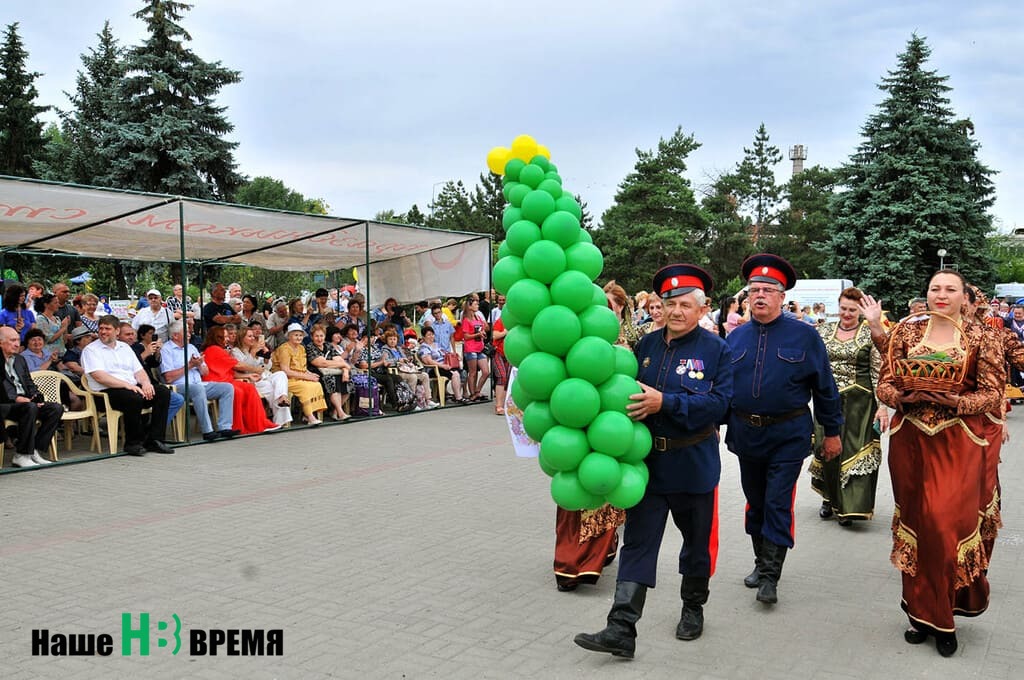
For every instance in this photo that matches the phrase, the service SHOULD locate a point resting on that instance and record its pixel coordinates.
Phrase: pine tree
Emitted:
(488, 203)
(803, 227)
(21, 133)
(727, 234)
(74, 156)
(414, 216)
(756, 188)
(452, 209)
(167, 135)
(655, 219)
(914, 186)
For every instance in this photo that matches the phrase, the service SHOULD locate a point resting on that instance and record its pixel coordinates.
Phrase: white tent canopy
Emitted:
(400, 261)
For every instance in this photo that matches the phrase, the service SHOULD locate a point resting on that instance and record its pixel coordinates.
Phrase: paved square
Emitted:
(420, 547)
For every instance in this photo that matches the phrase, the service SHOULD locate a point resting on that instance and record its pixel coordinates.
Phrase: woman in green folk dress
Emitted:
(847, 483)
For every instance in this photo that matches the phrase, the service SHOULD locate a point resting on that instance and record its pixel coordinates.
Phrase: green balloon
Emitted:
(513, 167)
(519, 397)
(510, 216)
(615, 392)
(642, 468)
(547, 469)
(503, 250)
(525, 298)
(552, 167)
(521, 236)
(567, 203)
(584, 257)
(553, 176)
(506, 190)
(562, 448)
(541, 161)
(544, 260)
(517, 194)
(556, 329)
(538, 376)
(561, 227)
(591, 359)
(575, 402)
(598, 296)
(537, 420)
(531, 175)
(599, 474)
(640, 447)
(572, 289)
(625, 361)
(611, 433)
(518, 343)
(600, 322)
(631, 488)
(569, 494)
(585, 236)
(550, 186)
(537, 205)
(510, 320)
(507, 271)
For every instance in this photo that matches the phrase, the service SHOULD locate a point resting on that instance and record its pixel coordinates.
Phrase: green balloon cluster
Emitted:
(572, 383)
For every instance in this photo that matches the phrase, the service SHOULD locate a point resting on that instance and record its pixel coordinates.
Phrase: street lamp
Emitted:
(433, 190)
(942, 258)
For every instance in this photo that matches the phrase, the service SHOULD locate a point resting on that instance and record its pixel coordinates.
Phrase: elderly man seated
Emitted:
(172, 366)
(21, 401)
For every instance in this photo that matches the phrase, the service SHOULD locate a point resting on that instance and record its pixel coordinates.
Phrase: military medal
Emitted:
(647, 362)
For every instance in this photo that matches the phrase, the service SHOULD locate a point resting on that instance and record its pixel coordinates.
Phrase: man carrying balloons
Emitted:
(780, 363)
(686, 381)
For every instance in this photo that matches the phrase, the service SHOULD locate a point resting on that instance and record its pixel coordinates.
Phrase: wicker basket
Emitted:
(929, 375)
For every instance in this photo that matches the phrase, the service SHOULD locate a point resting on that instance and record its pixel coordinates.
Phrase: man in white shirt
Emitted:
(172, 367)
(112, 367)
(156, 315)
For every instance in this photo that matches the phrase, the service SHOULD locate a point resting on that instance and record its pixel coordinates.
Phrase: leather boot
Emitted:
(619, 636)
(754, 577)
(772, 557)
(694, 593)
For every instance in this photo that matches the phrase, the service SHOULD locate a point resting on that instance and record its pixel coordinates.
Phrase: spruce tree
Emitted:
(167, 134)
(655, 219)
(803, 226)
(21, 133)
(74, 156)
(755, 187)
(726, 238)
(914, 186)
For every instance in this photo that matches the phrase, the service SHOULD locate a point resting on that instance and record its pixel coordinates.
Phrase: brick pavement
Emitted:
(420, 547)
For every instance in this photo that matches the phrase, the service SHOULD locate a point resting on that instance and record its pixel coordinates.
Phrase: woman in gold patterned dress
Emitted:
(847, 483)
(937, 465)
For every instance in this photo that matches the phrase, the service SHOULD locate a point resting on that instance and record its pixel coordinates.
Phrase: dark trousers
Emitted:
(131, 405)
(695, 515)
(770, 488)
(36, 425)
(387, 379)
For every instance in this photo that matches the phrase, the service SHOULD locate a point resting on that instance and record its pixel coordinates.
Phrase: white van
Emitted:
(810, 291)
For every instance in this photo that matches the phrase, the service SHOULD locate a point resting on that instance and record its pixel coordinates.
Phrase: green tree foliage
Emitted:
(21, 133)
(914, 186)
(755, 180)
(74, 156)
(655, 219)
(414, 216)
(452, 208)
(166, 134)
(727, 233)
(802, 230)
(488, 204)
(267, 192)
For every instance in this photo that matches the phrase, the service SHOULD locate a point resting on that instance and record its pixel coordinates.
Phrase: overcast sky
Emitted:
(372, 105)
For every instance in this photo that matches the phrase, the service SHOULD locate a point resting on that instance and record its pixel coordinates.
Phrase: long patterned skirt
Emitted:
(848, 481)
(938, 479)
(585, 542)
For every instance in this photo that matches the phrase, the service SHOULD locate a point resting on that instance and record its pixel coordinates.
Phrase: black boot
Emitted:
(694, 592)
(619, 637)
(753, 577)
(772, 558)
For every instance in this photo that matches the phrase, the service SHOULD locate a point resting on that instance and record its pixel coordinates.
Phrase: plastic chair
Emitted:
(114, 424)
(3, 441)
(49, 383)
(438, 382)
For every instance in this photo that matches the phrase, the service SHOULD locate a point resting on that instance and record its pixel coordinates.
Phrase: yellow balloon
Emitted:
(355, 275)
(543, 151)
(524, 147)
(496, 159)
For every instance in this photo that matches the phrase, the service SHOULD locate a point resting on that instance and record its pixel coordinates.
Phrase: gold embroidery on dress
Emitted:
(942, 425)
(596, 522)
(865, 462)
(992, 521)
(971, 560)
(904, 545)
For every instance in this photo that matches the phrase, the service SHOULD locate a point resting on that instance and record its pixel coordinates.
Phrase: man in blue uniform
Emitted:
(779, 364)
(687, 383)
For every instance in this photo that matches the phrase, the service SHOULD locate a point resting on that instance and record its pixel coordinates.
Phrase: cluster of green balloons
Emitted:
(573, 382)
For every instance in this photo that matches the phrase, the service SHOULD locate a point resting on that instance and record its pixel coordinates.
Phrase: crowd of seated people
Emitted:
(251, 359)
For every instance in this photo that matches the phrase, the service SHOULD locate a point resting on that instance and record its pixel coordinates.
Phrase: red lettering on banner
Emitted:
(448, 264)
(150, 220)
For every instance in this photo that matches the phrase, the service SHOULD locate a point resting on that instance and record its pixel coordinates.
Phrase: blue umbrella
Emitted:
(81, 278)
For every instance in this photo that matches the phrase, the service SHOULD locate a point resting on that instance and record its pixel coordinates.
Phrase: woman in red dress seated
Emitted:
(249, 416)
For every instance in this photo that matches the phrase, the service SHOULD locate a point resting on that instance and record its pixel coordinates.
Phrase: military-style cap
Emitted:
(680, 279)
(768, 268)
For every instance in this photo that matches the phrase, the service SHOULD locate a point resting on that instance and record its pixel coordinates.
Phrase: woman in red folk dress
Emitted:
(937, 462)
(249, 416)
